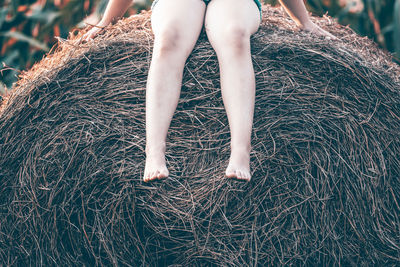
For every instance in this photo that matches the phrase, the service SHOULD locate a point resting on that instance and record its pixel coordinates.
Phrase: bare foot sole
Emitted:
(155, 168)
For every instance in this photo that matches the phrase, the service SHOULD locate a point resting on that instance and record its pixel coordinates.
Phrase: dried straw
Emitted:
(325, 159)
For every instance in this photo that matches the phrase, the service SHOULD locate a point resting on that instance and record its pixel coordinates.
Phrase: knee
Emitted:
(237, 39)
(233, 38)
(168, 41)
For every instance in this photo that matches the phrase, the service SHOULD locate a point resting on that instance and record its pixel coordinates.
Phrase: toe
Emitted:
(145, 177)
(230, 173)
(155, 174)
(163, 174)
(237, 174)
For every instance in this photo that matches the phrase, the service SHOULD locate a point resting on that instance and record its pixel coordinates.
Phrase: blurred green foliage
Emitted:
(377, 19)
(28, 27)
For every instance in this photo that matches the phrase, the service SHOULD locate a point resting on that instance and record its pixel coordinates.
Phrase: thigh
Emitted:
(227, 16)
(179, 18)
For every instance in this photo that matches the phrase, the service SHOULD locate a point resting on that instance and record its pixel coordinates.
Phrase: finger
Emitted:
(88, 38)
(92, 35)
(330, 36)
(333, 37)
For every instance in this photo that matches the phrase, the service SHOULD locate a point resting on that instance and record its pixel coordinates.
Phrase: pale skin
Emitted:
(176, 25)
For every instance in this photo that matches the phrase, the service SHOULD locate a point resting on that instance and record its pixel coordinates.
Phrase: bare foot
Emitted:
(315, 29)
(239, 166)
(155, 167)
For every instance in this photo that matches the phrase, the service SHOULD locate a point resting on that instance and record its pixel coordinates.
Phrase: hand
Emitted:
(93, 32)
(315, 29)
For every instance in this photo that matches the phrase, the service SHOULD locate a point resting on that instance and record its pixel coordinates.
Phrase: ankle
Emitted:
(242, 149)
(155, 149)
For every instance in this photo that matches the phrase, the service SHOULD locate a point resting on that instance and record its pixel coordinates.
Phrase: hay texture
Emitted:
(325, 160)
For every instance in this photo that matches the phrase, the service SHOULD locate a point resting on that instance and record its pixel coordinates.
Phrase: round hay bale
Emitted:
(325, 161)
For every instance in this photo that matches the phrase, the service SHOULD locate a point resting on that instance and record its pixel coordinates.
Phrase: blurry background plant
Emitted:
(28, 27)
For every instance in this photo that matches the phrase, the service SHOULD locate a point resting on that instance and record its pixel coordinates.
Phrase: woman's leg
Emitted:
(176, 25)
(229, 25)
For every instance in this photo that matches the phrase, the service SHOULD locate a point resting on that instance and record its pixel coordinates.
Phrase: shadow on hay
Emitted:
(325, 160)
